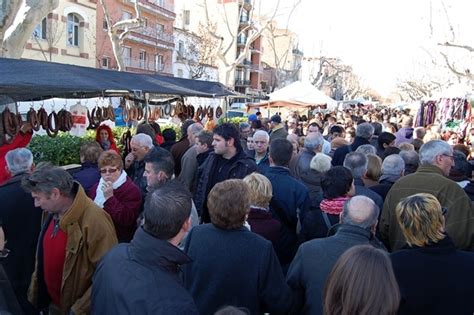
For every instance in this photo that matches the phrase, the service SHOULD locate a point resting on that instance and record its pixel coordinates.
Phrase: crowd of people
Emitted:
(352, 212)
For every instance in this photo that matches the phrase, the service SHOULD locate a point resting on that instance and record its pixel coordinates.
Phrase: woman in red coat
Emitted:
(105, 138)
(117, 195)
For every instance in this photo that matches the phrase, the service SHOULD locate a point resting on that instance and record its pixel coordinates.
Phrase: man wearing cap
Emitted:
(277, 131)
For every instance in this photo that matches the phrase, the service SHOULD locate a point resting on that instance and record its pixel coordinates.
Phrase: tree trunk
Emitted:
(28, 15)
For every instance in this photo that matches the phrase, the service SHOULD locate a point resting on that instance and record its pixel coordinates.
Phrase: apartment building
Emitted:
(66, 35)
(281, 58)
(227, 18)
(147, 49)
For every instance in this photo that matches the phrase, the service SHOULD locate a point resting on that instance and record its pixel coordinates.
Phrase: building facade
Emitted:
(281, 58)
(148, 48)
(66, 35)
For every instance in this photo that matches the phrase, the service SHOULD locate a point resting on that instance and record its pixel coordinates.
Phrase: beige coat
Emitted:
(90, 234)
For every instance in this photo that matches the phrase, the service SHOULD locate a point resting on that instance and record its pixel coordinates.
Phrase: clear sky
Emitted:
(382, 39)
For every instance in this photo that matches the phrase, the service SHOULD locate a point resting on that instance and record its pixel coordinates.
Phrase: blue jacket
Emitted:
(87, 176)
(263, 165)
(290, 200)
(235, 267)
(141, 278)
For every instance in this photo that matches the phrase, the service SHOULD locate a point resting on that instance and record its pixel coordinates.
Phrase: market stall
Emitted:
(143, 96)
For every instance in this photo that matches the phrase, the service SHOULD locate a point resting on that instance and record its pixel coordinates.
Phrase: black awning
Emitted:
(25, 80)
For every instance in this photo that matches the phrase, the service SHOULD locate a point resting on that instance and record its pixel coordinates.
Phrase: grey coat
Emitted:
(314, 261)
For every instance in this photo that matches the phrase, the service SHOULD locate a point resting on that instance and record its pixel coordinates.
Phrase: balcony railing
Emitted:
(256, 67)
(154, 33)
(254, 49)
(240, 82)
(156, 6)
(147, 65)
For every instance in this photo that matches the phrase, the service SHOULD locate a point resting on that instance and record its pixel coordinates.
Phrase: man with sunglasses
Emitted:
(436, 160)
(76, 233)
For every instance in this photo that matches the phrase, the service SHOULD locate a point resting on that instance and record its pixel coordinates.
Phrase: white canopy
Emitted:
(303, 92)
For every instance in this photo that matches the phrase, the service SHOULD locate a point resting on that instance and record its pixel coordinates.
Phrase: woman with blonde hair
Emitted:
(430, 264)
(374, 170)
(260, 218)
(362, 282)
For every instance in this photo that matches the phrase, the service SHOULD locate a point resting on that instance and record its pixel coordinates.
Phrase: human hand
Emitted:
(26, 127)
(107, 189)
(129, 159)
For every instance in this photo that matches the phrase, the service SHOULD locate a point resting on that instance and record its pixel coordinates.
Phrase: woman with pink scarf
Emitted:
(338, 187)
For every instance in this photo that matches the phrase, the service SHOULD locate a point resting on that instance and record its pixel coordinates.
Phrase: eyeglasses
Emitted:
(110, 170)
(450, 156)
(444, 211)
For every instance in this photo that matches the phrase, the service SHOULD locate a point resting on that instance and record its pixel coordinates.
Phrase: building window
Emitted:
(142, 59)
(181, 48)
(127, 56)
(186, 17)
(73, 29)
(160, 28)
(126, 15)
(145, 22)
(105, 63)
(180, 73)
(41, 29)
(159, 66)
(105, 26)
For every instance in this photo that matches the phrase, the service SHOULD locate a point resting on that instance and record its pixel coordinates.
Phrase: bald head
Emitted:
(360, 211)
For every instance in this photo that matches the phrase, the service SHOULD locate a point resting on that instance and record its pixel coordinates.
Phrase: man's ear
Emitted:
(55, 193)
(187, 225)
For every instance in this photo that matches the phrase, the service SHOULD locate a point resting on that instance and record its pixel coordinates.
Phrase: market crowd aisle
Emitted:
(274, 227)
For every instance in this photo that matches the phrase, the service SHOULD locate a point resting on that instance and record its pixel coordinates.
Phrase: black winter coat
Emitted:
(141, 278)
(435, 279)
(340, 153)
(21, 222)
(235, 267)
(242, 166)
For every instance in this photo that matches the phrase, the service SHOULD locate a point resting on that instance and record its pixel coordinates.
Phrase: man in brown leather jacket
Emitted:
(76, 233)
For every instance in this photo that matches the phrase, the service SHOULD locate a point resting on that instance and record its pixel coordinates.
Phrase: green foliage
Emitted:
(64, 149)
(234, 120)
(61, 150)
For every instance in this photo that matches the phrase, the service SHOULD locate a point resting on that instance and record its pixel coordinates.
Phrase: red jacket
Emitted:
(123, 207)
(21, 140)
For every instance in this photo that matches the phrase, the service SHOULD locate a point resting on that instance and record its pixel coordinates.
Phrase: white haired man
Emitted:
(436, 160)
(134, 165)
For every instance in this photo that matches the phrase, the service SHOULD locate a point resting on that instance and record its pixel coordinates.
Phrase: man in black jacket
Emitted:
(21, 222)
(142, 277)
(364, 132)
(227, 161)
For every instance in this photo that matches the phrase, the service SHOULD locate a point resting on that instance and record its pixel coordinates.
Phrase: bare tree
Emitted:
(336, 79)
(252, 32)
(199, 53)
(17, 22)
(282, 55)
(52, 36)
(452, 44)
(416, 89)
(118, 31)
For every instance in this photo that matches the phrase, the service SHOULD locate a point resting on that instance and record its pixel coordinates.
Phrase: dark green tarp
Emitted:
(25, 80)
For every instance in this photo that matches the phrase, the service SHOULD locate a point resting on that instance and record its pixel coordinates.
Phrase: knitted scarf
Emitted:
(333, 206)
